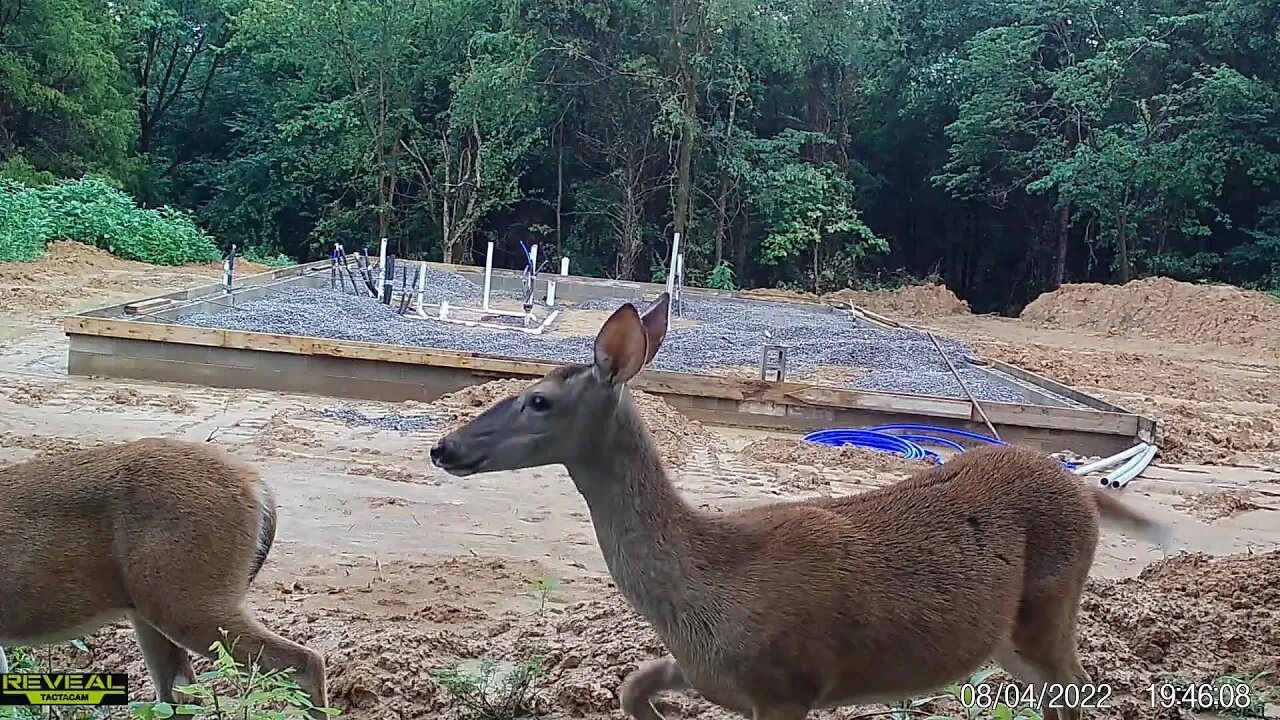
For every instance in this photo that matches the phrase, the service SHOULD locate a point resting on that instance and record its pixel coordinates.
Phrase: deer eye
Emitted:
(539, 403)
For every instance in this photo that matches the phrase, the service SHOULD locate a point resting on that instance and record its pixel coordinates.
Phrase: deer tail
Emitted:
(1115, 512)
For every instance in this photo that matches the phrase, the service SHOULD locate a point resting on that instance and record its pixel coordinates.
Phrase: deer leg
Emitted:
(251, 642)
(651, 678)
(168, 664)
(1045, 643)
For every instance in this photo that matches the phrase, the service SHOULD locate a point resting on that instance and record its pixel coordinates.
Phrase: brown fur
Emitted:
(169, 534)
(775, 610)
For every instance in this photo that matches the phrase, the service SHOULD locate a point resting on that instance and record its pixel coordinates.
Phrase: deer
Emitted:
(772, 611)
(166, 533)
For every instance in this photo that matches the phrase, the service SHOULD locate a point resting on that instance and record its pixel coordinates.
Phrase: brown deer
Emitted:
(777, 610)
(169, 534)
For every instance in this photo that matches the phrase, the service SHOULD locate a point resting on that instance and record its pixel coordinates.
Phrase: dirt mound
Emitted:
(1191, 616)
(812, 466)
(1211, 413)
(676, 435)
(1195, 433)
(72, 273)
(909, 302)
(66, 256)
(472, 400)
(1163, 309)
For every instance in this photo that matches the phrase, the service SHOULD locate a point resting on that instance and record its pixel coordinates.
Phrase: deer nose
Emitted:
(442, 451)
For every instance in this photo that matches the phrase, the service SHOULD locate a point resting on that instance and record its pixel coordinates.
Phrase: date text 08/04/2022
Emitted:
(1193, 696)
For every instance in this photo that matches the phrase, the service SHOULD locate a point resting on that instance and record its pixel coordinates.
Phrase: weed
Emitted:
(542, 589)
(494, 691)
(252, 695)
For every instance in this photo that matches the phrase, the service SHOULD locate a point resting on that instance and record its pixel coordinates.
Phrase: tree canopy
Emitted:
(1004, 146)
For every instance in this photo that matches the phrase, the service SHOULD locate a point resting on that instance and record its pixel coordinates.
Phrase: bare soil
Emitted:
(60, 279)
(827, 469)
(914, 302)
(1163, 309)
(393, 569)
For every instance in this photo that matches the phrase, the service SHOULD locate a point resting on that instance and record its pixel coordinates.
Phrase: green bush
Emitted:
(92, 212)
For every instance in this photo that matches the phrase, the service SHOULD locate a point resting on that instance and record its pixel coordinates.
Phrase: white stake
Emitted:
(671, 274)
(533, 263)
(422, 284)
(679, 298)
(551, 285)
(488, 273)
(382, 270)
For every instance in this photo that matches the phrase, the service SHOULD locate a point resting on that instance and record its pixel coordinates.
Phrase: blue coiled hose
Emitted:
(884, 442)
(890, 438)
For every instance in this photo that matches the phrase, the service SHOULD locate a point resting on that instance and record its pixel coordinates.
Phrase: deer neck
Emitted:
(641, 522)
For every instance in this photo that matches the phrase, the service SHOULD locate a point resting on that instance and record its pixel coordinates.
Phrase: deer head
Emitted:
(555, 419)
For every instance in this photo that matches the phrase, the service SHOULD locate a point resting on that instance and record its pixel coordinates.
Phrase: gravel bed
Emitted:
(732, 334)
(390, 421)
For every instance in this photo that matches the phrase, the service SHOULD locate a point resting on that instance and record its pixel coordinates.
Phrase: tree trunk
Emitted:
(722, 196)
(560, 190)
(684, 168)
(1122, 249)
(1064, 236)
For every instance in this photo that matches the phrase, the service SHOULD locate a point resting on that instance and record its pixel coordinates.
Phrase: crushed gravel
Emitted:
(731, 333)
(390, 421)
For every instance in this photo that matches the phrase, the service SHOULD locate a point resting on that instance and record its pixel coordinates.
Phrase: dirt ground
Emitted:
(394, 569)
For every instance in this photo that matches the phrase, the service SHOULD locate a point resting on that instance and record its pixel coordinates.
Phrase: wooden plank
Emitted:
(1054, 386)
(202, 291)
(661, 382)
(146, 306)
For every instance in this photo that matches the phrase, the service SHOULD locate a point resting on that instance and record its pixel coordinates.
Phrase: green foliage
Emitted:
(803, 204)
(1006, 146)
(490, 690)
(721, 277)
(92, 212)
(277, 259)
(231, 690)
(1188, 268)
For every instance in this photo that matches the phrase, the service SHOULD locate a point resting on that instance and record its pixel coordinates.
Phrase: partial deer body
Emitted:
(169, 534)
(776, 610)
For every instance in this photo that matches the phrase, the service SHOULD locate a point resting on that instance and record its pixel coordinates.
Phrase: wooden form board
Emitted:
(746, 391)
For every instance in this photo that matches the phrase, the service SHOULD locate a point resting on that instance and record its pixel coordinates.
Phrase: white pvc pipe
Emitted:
(679, 298)
(488, 274)
(551, 284)
(671, 276)
(1109, 461)
(422, 284)
(1121, 470)
(382, 270)
(533, 269)
(1140, 464)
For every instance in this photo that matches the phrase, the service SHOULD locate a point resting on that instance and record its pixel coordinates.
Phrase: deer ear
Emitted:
(621, 346)
(654, 318)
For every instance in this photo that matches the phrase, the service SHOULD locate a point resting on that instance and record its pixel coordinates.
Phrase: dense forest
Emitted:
(1004, 146)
